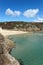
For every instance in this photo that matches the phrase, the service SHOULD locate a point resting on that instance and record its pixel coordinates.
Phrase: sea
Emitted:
(29, 48)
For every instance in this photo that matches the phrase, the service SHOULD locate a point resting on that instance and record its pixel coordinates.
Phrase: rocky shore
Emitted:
(5, 46)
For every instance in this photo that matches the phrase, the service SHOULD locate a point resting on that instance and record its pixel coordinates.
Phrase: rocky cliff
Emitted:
(24, 26)
(5, 46)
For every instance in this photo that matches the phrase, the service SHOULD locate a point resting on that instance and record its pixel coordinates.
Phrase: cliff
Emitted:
(5, 46)
(23, 26)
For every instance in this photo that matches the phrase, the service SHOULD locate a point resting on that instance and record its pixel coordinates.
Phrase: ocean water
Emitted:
(29, 48)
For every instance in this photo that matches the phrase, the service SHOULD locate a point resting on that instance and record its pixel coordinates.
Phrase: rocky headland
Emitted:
(6, 46)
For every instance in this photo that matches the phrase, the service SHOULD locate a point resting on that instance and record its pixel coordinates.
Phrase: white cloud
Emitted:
(39, 20)
(11, 12)
(30, 12)
(16, 13)
(27, 13)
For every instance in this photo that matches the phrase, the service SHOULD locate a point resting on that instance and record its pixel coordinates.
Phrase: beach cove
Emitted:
(29, 48)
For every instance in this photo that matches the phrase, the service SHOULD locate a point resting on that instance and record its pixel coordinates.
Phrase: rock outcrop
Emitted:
(5, 46)
(23, 26)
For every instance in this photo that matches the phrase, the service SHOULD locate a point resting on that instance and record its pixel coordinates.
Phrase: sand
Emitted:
(10, 32)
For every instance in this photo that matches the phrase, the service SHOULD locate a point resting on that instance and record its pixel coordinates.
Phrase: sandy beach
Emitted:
(10, 32)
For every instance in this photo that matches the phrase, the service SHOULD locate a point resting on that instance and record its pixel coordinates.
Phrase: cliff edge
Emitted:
(5, 46)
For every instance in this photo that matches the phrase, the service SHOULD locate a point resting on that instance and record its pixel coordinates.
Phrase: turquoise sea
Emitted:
(29, 48)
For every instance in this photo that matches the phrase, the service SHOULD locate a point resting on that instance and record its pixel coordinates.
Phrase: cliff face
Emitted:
(5, 46)
(25, 26)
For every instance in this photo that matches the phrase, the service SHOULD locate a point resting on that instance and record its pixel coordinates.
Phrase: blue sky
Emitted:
(21, 10)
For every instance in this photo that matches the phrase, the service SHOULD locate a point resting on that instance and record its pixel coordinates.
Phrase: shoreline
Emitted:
(11, 32)
(6, 32)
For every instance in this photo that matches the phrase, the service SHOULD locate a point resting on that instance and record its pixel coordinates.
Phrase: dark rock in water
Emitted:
(20, 61)
(10, 51)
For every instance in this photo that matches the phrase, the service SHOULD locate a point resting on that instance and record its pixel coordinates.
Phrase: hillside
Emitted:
(24, 26)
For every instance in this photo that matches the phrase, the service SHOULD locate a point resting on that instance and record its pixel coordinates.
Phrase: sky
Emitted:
(21, 10)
